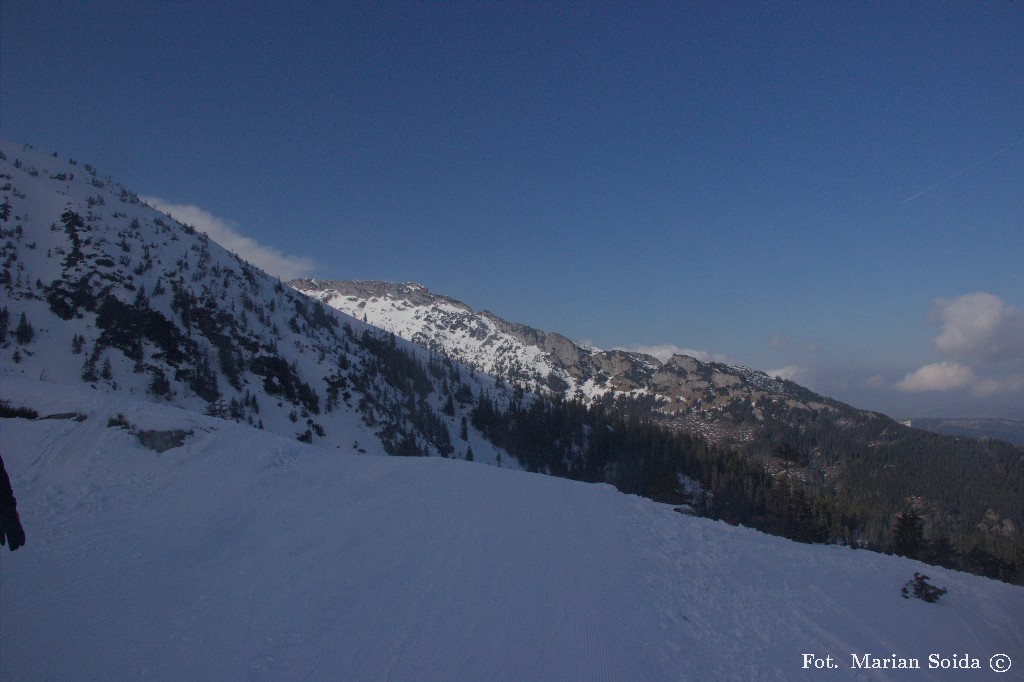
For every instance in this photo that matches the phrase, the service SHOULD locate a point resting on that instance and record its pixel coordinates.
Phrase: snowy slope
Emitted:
(723, 402)
(245, 555)
(443, 324)
(123, 298)
(516, 352)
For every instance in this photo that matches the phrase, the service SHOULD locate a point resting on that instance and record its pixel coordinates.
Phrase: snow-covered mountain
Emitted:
(724, 402)
(244, 555)
(855, 472)
(154, 389)
(102, 289)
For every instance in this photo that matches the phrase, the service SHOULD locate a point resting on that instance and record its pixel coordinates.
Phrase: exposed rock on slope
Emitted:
(725, 402)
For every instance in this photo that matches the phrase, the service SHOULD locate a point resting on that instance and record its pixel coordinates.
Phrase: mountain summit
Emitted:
(727, 403)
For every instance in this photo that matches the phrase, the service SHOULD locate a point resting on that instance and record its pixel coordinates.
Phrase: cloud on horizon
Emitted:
(665, 351)
(938, 376)
(800, 375)
(983, 338)
(979, 326)
(225, 233)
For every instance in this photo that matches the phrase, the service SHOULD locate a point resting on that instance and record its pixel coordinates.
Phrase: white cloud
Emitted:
(800, 375)
(224, 233)
(984, 337)
(939, 376)
(665, 351)
(980, 327)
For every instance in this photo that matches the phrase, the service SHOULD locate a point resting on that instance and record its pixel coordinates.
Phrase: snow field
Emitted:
(246, 556)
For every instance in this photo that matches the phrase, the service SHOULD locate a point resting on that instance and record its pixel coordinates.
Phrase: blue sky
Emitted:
(831, 191)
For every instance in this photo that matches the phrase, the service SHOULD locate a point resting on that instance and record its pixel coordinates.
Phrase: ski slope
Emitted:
(242, 555)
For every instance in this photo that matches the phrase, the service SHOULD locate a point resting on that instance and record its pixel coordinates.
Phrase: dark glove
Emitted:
(10, 529)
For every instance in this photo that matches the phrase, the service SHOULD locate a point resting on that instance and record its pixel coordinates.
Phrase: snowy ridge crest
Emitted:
(693, 393)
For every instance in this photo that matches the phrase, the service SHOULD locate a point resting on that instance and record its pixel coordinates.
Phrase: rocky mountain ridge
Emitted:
(723, 402)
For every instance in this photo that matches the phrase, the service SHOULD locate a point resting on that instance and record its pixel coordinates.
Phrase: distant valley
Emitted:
(1009, 430)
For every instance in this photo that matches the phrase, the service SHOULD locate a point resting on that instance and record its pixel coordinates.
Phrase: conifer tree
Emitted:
(908, 534)
(24, 332)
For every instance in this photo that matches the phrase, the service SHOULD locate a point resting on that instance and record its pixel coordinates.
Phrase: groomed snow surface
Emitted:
(246, 556)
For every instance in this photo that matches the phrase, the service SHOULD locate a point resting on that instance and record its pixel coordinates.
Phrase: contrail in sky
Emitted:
(956, 175)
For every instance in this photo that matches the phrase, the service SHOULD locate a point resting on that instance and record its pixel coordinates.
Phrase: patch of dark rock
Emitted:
(161, 441)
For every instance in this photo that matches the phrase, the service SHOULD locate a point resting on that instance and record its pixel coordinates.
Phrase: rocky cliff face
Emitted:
(724, 402)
